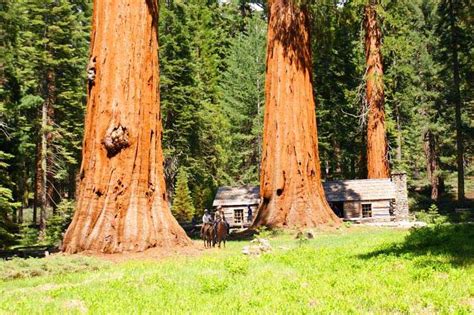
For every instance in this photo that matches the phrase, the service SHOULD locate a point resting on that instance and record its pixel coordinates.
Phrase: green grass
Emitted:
(353, 270)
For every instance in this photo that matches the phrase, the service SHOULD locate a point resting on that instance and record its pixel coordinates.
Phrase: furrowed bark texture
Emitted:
(432, 169)
(377, 155)
(290, 182)
(122, 203)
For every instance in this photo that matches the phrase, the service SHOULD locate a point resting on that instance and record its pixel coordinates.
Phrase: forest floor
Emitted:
(350, 270)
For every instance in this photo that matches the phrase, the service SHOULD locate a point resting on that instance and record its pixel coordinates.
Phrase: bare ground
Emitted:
(156, 253)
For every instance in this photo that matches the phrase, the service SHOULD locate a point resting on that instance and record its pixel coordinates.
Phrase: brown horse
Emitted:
(220, 233)
(207, 235)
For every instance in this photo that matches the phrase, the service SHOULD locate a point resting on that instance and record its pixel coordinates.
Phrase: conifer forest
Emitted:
(119, 120)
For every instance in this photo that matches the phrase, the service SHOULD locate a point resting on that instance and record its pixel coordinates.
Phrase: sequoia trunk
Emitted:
(122, 203)
(377, 159)
(290, 182)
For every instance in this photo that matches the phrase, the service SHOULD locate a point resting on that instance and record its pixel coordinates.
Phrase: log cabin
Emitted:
(352, 200)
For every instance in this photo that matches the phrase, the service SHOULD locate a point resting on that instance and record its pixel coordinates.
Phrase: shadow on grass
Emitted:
(453, 241)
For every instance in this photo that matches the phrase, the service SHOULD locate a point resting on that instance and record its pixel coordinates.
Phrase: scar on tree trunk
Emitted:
(377, 154)
(290, 183)
(122, 203)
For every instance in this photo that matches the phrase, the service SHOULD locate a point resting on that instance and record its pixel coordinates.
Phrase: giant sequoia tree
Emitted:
(377, 155)
(122, 204)
(291, 190)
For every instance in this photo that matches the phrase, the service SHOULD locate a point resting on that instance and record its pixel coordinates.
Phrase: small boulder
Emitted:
(257, 246)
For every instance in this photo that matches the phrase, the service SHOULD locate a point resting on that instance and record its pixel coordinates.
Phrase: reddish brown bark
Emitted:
(432, 168)
(377, 155)
(122, 203)
(291, 190)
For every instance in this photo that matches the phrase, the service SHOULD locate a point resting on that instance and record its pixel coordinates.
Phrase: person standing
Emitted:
(249, 214)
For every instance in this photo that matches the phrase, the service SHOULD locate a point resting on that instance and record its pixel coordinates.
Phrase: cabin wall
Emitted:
(229, 213)
(380, 209)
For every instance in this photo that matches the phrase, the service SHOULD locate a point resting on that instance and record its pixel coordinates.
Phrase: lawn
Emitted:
(351, 270)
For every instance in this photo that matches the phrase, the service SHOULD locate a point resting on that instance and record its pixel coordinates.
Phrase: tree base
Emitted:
(299, 216)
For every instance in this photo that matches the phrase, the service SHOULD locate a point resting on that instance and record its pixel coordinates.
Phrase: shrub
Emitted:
(183, 208)
(431, 216)
(28, 235)
(58, 223)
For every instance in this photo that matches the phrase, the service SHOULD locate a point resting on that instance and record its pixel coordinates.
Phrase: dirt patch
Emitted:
(156, 253)
(76, 305)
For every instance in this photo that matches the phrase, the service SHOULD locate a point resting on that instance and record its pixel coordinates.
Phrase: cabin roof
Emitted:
(338, 190)
(359, 189)
(235, 196)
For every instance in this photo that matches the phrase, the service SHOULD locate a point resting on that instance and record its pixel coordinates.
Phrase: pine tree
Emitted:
(456, 41)
(414, 127)
(338, 69)
(183, 208)
(242, 98)
(47, 53)
(193, 46)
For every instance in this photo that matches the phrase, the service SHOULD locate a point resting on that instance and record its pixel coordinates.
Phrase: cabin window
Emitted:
(238, 215)
(366, 210)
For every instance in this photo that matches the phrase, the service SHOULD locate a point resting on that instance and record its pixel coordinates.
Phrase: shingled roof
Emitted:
(234, 196)
(359, 189)
(339, 190)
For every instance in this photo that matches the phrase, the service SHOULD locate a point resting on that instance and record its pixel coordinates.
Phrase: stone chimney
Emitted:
(401, 195)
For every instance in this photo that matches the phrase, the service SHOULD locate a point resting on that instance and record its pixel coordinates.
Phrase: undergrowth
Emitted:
(18, 268)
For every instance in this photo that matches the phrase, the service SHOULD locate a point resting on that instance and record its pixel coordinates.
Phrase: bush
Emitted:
(431, 216)
(7, 238)
(183, 207)
(59, 222)
(28, 235)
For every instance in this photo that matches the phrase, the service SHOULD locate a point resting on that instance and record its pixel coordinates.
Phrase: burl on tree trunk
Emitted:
(122, 203)
(290, 184)
(377, 155)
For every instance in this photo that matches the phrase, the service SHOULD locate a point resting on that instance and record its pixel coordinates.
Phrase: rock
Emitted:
(257, 246)
(309, 234)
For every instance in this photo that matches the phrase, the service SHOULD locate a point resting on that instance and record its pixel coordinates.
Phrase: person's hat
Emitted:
(206, 211)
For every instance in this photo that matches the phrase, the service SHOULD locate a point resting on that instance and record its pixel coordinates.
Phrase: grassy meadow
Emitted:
(355, 270)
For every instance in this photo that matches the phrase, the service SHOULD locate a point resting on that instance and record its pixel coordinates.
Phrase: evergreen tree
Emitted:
(183, 208)
(242, 85)
(338, 67)
(194, 44)
(49, 57)
(455, 30)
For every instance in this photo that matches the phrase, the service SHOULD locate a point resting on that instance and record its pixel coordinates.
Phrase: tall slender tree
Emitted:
(377, 155)
(291, 189)
(122, 203)
(453, 38)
